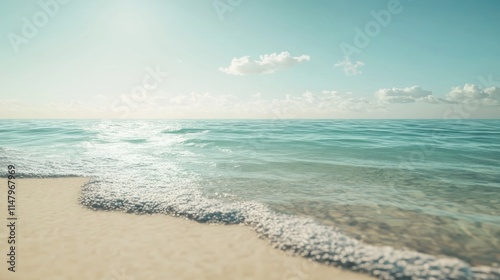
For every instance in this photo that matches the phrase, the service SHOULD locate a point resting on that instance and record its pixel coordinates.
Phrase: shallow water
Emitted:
(427, 186)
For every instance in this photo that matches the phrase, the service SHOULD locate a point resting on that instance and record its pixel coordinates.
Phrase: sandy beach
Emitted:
(56, 238)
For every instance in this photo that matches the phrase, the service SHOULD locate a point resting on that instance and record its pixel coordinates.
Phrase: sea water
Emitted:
(399, 199)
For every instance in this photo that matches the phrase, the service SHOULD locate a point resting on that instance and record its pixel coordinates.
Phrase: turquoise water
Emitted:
(400, 199)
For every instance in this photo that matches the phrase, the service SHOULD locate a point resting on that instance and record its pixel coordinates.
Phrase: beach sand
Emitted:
(56, 238)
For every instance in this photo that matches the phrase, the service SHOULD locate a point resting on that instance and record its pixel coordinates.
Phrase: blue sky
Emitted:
(249, 59)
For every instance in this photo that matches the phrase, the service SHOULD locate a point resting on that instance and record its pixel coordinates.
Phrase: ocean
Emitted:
(399, 199)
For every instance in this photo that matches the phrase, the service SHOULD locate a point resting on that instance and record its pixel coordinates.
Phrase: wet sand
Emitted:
(56, 238)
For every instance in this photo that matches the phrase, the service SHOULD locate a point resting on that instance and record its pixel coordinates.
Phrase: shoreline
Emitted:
(57, 238)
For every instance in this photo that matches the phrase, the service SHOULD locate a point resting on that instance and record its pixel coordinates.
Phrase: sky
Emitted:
(199, 59)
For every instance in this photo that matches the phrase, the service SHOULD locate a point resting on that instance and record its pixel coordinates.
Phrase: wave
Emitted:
(136, 141)
(39, 176)
(147, 167)
(301, 236)
(184, 131)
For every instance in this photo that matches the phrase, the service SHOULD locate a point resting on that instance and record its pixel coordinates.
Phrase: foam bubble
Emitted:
(302, 236)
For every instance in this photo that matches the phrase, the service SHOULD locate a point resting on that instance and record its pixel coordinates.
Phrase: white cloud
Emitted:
(471, 92)
(464, 94)
(268, 63)
(10, 104)
(410, 102)
(72, 109)
(349, 67)
(405, 95)
(257, 95)
(326, 104)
